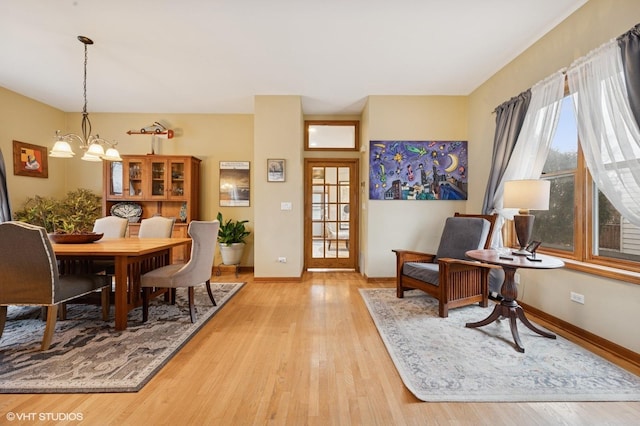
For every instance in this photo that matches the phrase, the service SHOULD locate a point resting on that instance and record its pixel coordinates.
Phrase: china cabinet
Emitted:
(166, 185)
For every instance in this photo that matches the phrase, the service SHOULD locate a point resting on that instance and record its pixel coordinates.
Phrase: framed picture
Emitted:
(418, 170)
(30, 160)
(235, 188)
(275, 170)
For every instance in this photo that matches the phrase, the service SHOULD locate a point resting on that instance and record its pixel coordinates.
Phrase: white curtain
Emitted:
(532, 148)
(608, 132)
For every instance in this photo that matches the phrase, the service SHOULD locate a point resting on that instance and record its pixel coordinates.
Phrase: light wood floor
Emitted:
(296, 354)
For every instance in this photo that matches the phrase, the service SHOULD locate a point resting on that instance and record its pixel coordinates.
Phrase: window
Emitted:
(581, 223)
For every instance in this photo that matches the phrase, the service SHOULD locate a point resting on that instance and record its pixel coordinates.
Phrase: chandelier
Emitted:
(91, 145)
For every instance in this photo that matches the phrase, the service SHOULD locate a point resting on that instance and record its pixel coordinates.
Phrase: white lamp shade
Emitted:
(61, 149)
(96, 150)
(112, 154)
(527, 194)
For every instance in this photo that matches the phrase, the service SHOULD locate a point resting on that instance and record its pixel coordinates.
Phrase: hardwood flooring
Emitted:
(294, 354)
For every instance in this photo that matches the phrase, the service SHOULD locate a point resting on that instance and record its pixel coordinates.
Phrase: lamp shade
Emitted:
(527, 194)
(61, 149)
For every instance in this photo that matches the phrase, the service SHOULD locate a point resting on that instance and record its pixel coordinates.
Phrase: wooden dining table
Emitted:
(132, 257)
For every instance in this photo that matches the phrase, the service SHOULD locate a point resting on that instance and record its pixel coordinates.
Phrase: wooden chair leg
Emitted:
(3, 318)
(145, 303)
(62, 311)
(52, 314)
(192, 307)
(106, 302)
(208, 283)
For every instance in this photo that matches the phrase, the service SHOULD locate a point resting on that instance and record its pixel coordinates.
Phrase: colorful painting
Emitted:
(30, 160)
(418, 170)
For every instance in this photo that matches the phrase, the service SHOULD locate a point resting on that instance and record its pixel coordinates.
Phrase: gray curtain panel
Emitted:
(5, 210)
(509, 118)
(629, 44)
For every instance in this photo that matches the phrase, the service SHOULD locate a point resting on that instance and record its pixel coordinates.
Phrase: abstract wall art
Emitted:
(418, 170)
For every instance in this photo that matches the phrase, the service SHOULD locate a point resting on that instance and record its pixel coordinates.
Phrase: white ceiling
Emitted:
(214, 56)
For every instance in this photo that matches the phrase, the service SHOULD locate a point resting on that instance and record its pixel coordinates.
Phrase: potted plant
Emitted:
(231, 237)
(75, 214)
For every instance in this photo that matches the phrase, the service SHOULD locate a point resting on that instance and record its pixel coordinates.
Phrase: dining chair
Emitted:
(196, 271)
(30, 276)
(111, 226)
(156, 227)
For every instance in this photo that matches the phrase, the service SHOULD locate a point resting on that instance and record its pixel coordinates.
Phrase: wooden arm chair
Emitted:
(196, 271)
(29, 276)
(446, 275)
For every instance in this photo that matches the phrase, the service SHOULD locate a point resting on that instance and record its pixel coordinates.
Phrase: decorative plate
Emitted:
(126, 210)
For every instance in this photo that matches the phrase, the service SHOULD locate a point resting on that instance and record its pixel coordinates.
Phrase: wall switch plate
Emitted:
(285, 205)
(282, 260)
(577, 297)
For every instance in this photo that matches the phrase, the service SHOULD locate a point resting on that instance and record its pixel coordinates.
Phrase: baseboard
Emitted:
(593, 339)
(384, 280)
(277, 279)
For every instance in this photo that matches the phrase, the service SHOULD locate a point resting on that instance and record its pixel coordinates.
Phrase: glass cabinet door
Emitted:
(115, 180)
(133, 178)
(158, 179)
(177, 180)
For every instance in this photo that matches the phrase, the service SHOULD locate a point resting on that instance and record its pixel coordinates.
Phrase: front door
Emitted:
(331, 219)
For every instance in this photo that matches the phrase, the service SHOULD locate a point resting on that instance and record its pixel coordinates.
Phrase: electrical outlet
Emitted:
(577, 297)
(516, 278)
(282, 259)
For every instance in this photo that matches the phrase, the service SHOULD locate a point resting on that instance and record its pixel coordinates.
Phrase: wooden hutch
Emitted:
(166, 185)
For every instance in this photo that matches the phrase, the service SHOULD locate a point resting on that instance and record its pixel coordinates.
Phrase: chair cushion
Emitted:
(462, 234)
(427, 272)
(72, 286)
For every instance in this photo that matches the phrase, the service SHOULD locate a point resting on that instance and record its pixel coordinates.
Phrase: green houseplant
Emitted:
(74, 214)
(231, 237)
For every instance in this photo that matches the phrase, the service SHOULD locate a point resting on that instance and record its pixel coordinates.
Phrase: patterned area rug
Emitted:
(439, 359)
(89, 355)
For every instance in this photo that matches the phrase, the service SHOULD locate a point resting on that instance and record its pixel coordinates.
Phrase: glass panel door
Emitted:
(330, 228)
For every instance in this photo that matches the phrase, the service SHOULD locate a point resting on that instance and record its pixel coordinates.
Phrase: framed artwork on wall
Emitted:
(418, 170)
(30, 160)
(275, 170)
(235, 188)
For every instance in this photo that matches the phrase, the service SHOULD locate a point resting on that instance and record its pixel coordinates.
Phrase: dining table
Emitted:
(132, 257)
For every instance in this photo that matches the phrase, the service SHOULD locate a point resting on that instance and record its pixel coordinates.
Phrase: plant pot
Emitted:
(232, 253)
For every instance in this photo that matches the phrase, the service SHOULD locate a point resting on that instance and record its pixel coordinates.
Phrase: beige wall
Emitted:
(278, 134)
(408, 224)
(612, 308)
(26, 120)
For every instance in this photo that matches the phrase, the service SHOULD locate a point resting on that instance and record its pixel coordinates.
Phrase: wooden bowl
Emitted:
(75, 238)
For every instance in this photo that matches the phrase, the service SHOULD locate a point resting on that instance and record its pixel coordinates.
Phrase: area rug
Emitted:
(89, 355)
(439, 359)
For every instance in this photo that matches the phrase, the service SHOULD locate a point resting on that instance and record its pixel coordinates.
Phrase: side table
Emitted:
(509, 307)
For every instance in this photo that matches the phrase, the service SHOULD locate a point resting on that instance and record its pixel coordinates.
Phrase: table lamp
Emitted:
(526, 195)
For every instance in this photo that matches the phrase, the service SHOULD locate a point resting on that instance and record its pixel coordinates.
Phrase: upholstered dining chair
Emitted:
(156, 227)
(111, 226)
(448, 275)
(196, 271)
(29, 276)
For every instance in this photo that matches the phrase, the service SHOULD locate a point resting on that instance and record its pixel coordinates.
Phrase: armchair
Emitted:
(447, 275)
(30, 276)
